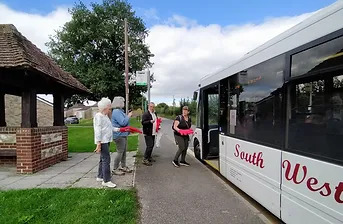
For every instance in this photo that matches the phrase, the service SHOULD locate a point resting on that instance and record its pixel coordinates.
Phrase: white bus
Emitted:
(272, 123)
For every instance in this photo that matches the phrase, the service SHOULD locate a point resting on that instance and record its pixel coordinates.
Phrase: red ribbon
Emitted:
(130, 129)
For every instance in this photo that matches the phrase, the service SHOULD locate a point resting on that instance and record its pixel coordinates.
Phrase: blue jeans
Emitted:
(104, 171)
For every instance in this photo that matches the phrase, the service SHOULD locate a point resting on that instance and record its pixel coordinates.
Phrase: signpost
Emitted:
(148, 80)
(141, 78)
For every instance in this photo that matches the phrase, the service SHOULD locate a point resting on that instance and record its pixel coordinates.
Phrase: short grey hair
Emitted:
(103, 103)
(118, 102)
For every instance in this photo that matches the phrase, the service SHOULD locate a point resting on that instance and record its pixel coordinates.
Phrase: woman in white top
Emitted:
(103, 132)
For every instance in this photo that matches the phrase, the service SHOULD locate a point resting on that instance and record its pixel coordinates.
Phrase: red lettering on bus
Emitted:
(328, 189)
(295, 172)
(250, 158)
(242, 155)
(338, 193)
(312, 182)
(259, 159)
(237, 150)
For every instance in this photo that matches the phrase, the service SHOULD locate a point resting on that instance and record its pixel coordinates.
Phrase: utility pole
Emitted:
(142, 103)
(126, 68)
(173, 105)
(148, 83)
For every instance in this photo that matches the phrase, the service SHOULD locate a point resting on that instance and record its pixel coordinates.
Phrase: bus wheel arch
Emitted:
(197, 151)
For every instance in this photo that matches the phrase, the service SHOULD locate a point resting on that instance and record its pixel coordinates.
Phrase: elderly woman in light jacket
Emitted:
(103, 132)
(119, 120)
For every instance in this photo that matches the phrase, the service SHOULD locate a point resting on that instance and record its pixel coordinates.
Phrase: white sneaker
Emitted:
(99, 179)
(109, 184)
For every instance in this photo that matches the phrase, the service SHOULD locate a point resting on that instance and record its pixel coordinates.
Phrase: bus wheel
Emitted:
(197, 150)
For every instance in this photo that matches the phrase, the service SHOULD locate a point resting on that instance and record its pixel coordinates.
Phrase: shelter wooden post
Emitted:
(2, 110)
(58, 109)
(29, 109)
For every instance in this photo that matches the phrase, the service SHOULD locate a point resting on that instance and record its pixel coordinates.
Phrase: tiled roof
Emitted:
(19, 53)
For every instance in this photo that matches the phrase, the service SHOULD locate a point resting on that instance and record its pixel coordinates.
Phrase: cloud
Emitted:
(151, 14)
(35, 27)
(186, 51)
(148, 15)
(181, 21)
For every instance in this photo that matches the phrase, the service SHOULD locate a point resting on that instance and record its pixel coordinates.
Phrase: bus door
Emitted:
(211, 122)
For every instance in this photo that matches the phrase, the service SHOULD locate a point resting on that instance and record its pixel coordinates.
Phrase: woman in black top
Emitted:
(181, 122)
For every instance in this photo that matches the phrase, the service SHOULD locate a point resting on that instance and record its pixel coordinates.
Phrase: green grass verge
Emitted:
(134, 122)
(68, 206)
(83, 122)
(81, 138)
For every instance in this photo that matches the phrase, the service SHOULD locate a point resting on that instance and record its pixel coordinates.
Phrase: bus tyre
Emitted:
(197, 150)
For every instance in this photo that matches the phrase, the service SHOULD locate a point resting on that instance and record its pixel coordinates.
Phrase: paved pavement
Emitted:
(186, 194)
(78, 171)
(167, 194)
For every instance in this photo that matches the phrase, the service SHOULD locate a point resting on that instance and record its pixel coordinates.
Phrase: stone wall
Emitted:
(36, 148)
(45, 114)
(13, 112)
(90, 113)
(8, 146)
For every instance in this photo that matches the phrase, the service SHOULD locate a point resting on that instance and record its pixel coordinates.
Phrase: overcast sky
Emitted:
(187, 44)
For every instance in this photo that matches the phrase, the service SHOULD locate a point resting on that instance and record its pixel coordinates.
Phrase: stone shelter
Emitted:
(26, 71)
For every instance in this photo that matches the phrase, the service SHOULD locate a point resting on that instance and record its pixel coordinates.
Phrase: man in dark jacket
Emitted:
(149, 119)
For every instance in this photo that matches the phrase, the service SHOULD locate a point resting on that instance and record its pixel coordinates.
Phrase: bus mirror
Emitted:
(195, 95)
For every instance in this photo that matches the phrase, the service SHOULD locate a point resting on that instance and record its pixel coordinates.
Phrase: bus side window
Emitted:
(316, 124)
(256, 103)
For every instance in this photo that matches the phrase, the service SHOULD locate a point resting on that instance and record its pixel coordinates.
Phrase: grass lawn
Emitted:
(89, 122)
(135, 123)
(68, 206)
(81, 137)
(83, 122)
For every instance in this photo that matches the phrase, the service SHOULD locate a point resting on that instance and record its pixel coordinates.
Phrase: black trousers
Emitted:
(150, 142)
(182, 142)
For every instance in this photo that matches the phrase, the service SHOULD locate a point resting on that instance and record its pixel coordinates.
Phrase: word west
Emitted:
(312, 183)
(250, 158)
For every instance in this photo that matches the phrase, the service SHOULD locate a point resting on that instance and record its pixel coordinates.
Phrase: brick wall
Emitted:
(13, 112)
(39, 148)
(36, 148)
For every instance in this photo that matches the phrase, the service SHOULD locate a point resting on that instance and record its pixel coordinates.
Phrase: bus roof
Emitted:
(325, 21)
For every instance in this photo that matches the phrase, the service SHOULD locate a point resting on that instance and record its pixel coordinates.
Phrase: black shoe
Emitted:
(176, 163)
(184, 163)
(151, 160)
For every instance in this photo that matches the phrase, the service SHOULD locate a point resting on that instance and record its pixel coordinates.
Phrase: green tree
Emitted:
(162, 105)
(91, 47)
(192, 105)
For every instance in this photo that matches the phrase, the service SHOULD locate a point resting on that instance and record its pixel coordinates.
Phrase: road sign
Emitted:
(141, 78)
